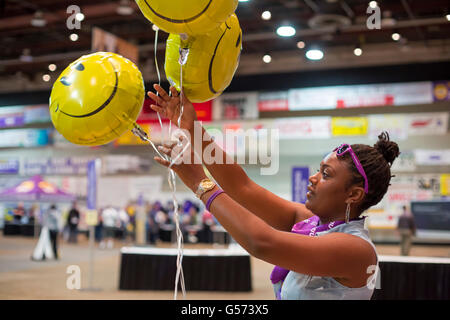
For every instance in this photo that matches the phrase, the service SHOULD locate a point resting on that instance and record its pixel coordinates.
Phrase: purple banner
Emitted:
(300, 176)
(12, 120)
(9, 166)
(91, 185)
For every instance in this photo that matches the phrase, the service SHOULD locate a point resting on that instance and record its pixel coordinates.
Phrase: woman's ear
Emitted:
(355, 195)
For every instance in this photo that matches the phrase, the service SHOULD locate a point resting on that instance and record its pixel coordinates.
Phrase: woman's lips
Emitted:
(310, 192)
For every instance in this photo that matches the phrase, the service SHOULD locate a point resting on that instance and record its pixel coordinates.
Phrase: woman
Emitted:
(321, 248)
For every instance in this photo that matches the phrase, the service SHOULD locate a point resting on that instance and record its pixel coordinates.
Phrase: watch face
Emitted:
(207, 184)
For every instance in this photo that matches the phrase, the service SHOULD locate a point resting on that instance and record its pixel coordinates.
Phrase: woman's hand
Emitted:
(189, 171)
(169, 107)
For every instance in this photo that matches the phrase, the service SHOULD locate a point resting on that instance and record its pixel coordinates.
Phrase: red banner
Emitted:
(147, 115)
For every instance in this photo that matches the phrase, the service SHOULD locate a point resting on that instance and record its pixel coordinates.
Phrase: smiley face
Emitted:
(96, 98)
(86, 87)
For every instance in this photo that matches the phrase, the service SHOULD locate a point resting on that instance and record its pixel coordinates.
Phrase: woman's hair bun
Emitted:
(389, 149)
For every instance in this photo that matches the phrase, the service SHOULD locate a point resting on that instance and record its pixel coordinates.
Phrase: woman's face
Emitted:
(327, 192)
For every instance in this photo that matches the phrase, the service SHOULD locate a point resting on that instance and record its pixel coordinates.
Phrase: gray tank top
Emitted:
(297, 286)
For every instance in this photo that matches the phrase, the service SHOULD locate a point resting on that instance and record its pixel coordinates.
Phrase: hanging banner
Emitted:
(9, 166)
(91, 199)
(395, 125)
(235, 106)
(300, 176)
(273, 101)
(445, 184)
(349, 126)
(428, 123)
(432, 157)
(306, 128)
(369, 95)
(106, 41)
(24, 137)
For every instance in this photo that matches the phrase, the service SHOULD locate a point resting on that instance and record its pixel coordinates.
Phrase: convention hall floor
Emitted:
(22, 278)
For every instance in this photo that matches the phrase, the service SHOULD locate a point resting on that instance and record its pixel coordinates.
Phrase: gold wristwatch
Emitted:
(204, 186)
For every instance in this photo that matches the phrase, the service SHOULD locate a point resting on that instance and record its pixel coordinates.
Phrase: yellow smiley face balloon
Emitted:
(212, 60)
(96, 98)
(192, 17)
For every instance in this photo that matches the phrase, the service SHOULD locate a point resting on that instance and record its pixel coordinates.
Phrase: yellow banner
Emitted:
(349, 126)
(445, 184)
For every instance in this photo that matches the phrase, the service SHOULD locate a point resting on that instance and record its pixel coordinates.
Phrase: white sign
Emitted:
(309, 128)
(361, 96)
(432, 157)
(234, 106)
(428, 123)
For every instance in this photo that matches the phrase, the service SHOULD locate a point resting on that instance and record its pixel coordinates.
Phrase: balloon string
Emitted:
(159, 83)
(172, 183)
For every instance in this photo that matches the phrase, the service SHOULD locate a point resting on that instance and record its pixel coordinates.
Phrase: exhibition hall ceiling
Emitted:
(34, 34)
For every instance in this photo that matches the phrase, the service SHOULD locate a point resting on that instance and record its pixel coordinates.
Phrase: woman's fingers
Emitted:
(158, 109)
(162, 92)
(157, 99)
(163, 162)
(174, 91)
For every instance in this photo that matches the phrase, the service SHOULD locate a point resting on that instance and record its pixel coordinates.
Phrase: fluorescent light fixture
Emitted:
(266, 15)
(314, 54)
(243, 0)
(396, 36)
(73, 37)
(52, 67)
(267, 58)
(286, 31)
(357, 51)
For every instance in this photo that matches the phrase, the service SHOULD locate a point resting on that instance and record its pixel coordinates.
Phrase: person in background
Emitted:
(109, 217)
(73, 219)
(19, 212)
(152, 223)
(51, 221)
(99, 227)
(407, 228)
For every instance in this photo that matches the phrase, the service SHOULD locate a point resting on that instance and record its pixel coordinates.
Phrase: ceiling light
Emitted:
(125, 8)
(267, 58)
(357, 52)
(286, 31)
(46, 77)
(266, 15)
(79, 16)
(38, 20)
(155, 27)
(243, 0)
(395, 36)
(314, 54)
(448, 17)
(73, 37)
(373, 4)
(300, 44)
(52, 67)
